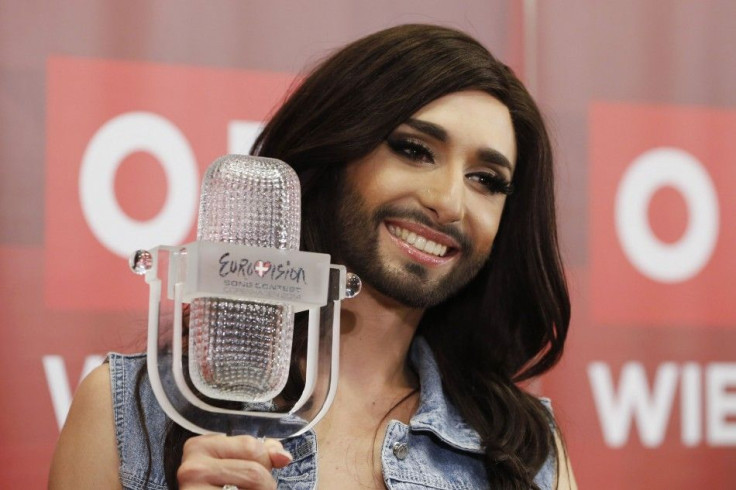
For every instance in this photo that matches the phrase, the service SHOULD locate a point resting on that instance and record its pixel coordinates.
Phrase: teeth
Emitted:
(417, 241)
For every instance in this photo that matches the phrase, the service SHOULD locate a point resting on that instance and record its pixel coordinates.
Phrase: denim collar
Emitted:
(435, 413)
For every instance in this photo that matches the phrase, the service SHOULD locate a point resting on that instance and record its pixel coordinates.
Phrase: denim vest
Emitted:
(436, 450)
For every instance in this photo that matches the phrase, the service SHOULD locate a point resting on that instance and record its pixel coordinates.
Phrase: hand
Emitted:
(211, 461)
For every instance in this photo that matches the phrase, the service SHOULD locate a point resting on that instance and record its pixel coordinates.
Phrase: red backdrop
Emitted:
(110, 111)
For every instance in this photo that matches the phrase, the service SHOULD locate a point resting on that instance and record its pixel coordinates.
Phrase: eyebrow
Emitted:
(488, 155)
(431, 129)
(495, 157)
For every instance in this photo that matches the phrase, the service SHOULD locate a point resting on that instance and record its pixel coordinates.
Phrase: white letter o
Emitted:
(116, 139)
(655, 259)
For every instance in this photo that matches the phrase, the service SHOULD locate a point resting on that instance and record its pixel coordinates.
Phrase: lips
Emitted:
(417, 241)
(421, 242)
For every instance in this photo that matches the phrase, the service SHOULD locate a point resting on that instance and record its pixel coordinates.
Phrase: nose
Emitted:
(443, 194)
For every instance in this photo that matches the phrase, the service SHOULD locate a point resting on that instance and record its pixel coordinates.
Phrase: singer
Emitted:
(427, 170)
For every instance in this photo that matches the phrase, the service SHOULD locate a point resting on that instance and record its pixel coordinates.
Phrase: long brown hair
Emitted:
(510, 322)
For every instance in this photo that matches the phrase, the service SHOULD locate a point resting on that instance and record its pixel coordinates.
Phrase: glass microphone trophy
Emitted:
(229, 301)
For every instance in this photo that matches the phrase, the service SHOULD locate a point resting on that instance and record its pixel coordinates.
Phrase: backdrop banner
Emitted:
(110, 112)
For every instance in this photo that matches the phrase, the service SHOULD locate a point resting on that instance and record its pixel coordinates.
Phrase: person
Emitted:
(427, 170)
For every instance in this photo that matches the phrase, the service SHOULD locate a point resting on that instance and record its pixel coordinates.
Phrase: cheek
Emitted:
(377, 180)
(485, 226)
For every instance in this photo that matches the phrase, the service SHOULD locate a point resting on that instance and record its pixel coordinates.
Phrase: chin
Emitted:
(412, 289)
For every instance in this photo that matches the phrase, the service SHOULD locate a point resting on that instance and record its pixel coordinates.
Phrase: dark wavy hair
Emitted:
(510, 323)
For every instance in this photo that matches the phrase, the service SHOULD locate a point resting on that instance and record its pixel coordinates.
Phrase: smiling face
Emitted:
(417, 216)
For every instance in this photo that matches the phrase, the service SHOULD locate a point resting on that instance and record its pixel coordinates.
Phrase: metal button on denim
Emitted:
(401, 449)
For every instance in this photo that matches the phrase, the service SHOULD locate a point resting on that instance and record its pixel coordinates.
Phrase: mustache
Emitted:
(387, 211)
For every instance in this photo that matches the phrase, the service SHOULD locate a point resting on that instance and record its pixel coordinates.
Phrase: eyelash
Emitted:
(416, 151)
(412, 149)
(494, 183)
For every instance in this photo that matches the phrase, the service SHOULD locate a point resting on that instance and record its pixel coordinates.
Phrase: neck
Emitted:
(376, 333)
(374, 387)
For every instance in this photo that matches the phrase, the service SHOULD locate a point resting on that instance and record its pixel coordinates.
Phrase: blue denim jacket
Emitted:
(436, 450)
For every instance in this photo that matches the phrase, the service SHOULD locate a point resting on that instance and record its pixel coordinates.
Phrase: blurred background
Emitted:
(110, 111)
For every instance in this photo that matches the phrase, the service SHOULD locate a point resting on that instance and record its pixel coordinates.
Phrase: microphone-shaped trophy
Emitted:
(239, 350)
(243, 279)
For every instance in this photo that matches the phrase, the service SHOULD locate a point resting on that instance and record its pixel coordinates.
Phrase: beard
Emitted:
(409, 282)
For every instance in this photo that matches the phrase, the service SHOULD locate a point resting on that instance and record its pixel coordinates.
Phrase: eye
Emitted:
(411, 148)
(492, 183)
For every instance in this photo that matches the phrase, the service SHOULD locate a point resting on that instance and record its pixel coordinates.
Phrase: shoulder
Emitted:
(107, 441)
(86, 454)
(557, 471)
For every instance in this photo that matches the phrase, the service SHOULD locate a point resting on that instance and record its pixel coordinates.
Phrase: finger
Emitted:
(280, 457)
(246, 474)
(206, 472)
(218, 446)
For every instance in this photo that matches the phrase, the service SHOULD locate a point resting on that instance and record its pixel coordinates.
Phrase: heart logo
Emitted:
(262, 267)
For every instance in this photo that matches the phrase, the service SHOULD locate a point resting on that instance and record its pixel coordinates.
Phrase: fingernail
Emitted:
(285, 453)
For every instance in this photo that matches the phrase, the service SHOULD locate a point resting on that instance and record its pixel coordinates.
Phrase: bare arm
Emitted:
(566, 479)
(86, 454)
